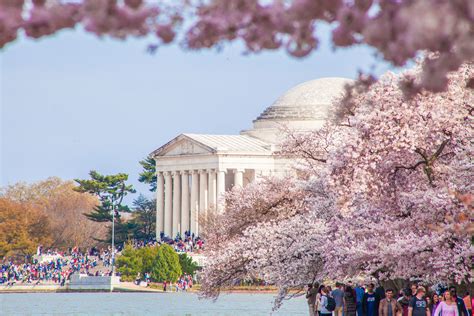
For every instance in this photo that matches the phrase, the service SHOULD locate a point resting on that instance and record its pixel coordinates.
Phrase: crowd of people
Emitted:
(184, 283)
(35, 272)
(188, 242)
(347, 300)
(52, 265)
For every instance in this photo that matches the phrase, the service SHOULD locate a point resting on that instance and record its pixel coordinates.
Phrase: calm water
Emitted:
(144, 304)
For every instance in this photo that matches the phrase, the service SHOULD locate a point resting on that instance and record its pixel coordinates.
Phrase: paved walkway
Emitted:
(130, 286)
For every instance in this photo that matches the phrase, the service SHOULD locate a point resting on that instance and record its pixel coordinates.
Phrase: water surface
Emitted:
(122, 304)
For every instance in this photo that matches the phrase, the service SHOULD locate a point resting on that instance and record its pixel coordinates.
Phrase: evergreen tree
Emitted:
(124, 231)
(148, 175)
(166, 267)
(144, 218)
(187, 264)
(110, 189)
(148, 256)
(129, 263)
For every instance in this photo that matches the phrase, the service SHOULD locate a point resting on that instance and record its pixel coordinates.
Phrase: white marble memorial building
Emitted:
(193, 170)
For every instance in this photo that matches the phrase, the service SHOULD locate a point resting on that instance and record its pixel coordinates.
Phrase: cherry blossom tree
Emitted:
(274, 228)
(395, 173)
(398, 30)
(271, 230)
(386, 188)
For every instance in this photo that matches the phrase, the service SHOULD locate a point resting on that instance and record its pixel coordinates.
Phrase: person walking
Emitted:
(434, 303)
(380, 291)
(360, 291)
(389, 306)
(338, 296)
(468, 303)
(462, 310)
(350, 302)
(326, 307)
(318, 299)
(370, 302)
(418, 305)
(448, 307)
(311, 294)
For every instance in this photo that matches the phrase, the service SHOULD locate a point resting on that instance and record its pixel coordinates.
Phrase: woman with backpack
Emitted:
(327, 303)
(317, 306)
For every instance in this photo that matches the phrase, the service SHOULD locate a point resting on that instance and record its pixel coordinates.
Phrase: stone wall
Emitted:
(47, 287)
(83, 282)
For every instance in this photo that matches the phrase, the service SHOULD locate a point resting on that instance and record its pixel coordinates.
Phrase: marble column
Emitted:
(168, 204)
(212, 188)
(220, 190)
(184, 202)
(203, 192)
(194, 202)
(160, 209)
(176, 203)
(239, 177)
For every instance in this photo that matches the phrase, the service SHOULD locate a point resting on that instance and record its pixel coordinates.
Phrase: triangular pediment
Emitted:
(182, 145)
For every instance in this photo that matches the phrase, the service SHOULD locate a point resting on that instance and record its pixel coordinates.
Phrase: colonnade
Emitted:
(183, 194)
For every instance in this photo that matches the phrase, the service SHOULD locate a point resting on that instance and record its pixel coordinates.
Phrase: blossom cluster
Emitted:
(398, 30)
(119, 19)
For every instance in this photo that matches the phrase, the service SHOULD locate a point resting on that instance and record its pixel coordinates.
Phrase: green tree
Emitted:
(110, 189)
(148, 256)
(144, 218)
(129, 263)
(166, 267)
(187, 264)
(124, 231)
(148, 175)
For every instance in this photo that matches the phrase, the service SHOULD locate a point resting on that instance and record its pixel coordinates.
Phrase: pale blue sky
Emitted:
(73, 102)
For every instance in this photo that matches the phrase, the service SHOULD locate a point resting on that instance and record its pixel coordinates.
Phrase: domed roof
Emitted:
(304, 107)
(308, 100)
(313, 93)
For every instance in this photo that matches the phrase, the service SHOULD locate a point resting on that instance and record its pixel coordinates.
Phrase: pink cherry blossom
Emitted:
(399, 30)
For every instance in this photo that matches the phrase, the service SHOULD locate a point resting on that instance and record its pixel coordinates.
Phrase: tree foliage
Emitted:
(63, 206)
(148, 175)
(166, 266)
(162, 262)
(149, 255)
(111, 190)
(22, 228)
(398, 30)
(129, 263)
(144, 218)
(187, 264)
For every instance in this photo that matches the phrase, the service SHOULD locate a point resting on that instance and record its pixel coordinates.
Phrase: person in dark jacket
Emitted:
(370, 302)
(380, 291)
(462, 310)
